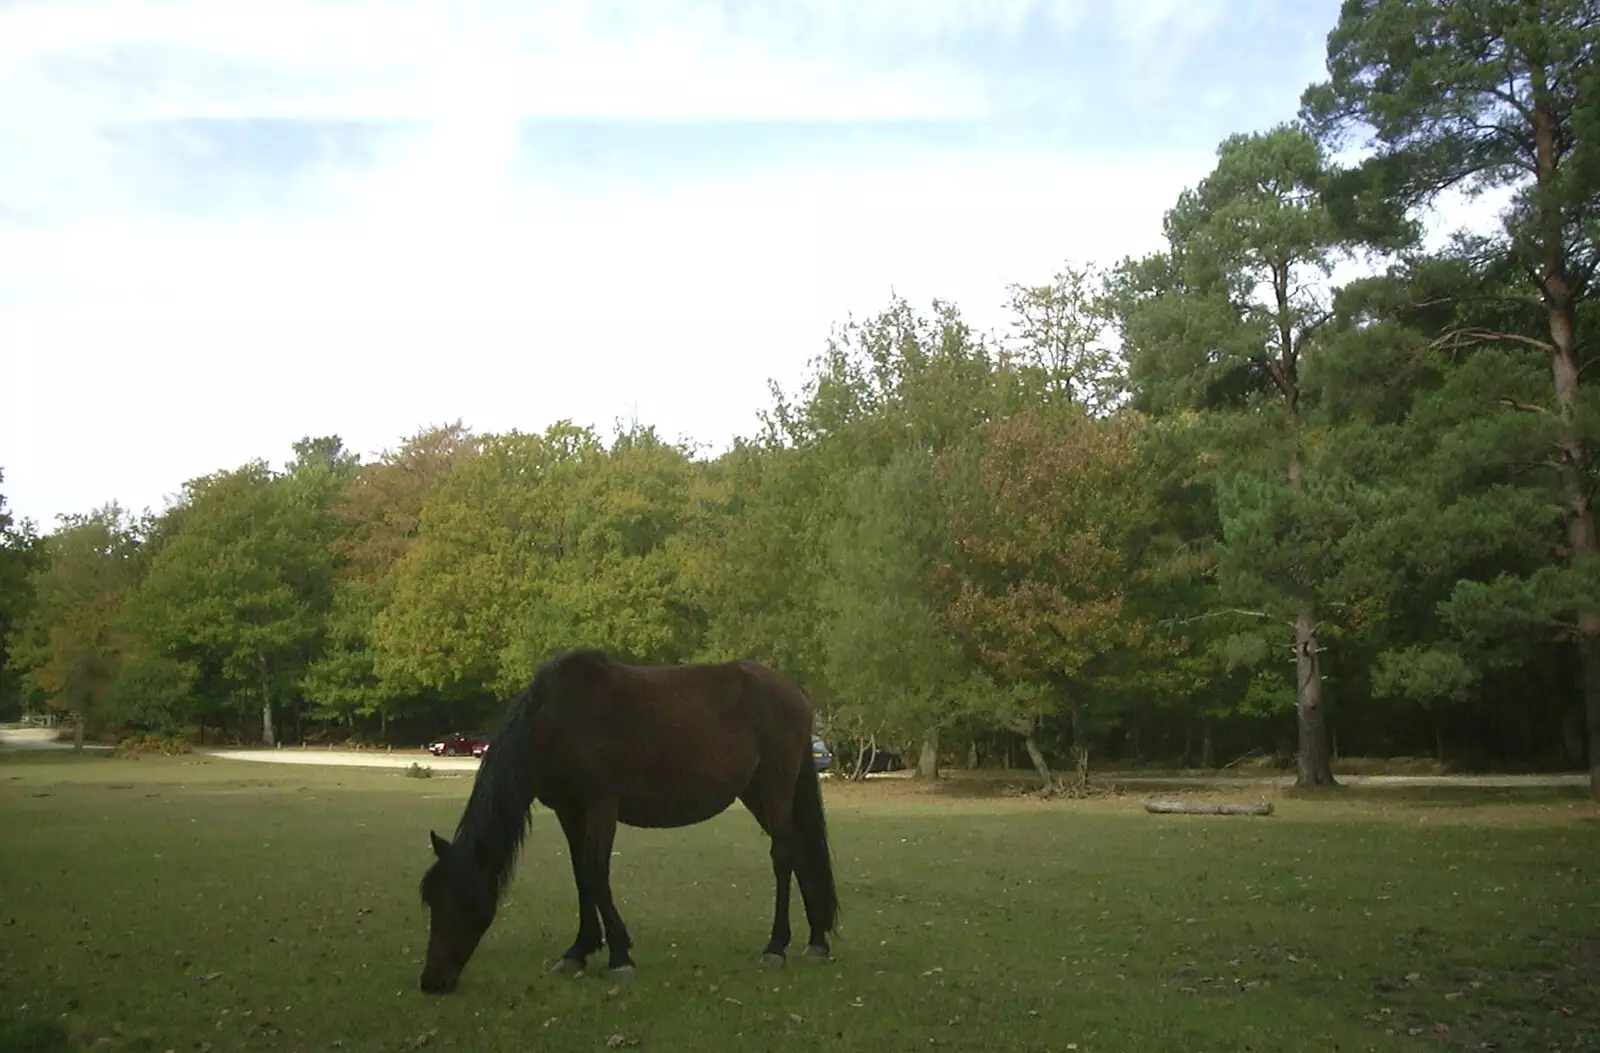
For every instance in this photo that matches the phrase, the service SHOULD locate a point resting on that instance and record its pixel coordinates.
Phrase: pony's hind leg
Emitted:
(774, 819)
(817, 944)
(805, 877)
(575, 958)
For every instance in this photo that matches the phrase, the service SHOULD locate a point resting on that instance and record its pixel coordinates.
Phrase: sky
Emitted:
(228, 225)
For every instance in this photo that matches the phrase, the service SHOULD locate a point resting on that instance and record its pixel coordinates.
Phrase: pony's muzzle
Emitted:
(439, 983)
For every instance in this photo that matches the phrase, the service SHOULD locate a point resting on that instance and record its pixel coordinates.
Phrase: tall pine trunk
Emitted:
(1556, 287)
(1314, 766)
(1313, 761)
(1580, 520)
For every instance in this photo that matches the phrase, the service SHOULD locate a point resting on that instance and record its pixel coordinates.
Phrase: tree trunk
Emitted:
(865, 758)
(383, 726)
(77, 733)
(928, 763)
(1313, 763)
(1589, 651)
(1575, 486)
(1047, 781)
(972, 755)
(1208, 746)
(1556, 287)
(267, 737)
(1571, 747)
(1314, 767)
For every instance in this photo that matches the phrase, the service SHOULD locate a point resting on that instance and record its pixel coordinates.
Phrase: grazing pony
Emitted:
(601, 742)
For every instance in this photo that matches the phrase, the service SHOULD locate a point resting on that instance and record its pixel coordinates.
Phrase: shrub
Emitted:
(417, 771)
(20, 1031)
(164, 745)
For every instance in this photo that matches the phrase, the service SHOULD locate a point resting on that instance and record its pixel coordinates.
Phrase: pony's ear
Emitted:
(440, 845)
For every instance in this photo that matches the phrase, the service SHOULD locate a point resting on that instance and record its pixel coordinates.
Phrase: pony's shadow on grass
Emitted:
(19, 1031)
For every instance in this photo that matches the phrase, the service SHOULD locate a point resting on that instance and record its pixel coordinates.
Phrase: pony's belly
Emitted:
(685, 779)
(659, 810)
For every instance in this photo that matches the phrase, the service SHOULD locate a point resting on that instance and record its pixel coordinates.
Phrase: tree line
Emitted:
(1193, 504)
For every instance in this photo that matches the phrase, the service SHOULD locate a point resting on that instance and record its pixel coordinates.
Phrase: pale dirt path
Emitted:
(38, 739)
(365, 759)
(343, 758)
(1285, 782)
(44, 739)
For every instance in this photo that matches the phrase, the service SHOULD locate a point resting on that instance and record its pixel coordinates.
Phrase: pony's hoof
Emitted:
(620, 973)
(567, 966)
(773, 961)
(813, 951)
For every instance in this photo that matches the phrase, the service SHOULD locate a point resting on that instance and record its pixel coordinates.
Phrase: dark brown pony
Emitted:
(600, 742)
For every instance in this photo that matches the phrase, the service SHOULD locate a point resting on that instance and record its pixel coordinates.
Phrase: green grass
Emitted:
(191, 904)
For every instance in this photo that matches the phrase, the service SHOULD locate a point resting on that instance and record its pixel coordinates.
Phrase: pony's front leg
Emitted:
(600, 826)
(575, 958)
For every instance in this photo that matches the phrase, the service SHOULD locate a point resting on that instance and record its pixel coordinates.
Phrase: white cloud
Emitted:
(192, 347)
(295, 58)
(143, 344)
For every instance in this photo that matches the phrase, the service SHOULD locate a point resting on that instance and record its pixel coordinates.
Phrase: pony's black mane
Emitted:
(498, 813)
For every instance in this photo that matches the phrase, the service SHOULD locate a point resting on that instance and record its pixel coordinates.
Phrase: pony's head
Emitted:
(460, 896)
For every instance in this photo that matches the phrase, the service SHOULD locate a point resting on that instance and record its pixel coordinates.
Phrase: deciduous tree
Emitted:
(1043, 511)
(72, 645)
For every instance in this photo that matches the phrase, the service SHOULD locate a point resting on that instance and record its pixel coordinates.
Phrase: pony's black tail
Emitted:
(813, 829)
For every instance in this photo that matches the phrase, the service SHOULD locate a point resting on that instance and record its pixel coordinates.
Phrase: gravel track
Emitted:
(44, 739)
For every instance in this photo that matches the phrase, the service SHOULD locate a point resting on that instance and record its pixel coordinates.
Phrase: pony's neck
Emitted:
(497, 816)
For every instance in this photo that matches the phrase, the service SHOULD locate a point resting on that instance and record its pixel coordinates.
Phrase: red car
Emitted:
(459, 743)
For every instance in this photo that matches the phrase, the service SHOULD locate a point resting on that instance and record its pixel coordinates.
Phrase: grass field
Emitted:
(190, 904)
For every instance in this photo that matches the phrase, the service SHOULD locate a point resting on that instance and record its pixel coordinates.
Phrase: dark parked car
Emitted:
(883, 760)
(460, 743)
(886, 760)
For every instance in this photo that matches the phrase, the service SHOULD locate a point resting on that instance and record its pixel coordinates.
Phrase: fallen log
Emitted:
(1202, 808)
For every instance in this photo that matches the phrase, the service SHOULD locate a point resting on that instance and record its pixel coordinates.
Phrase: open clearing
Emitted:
(196, 903)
